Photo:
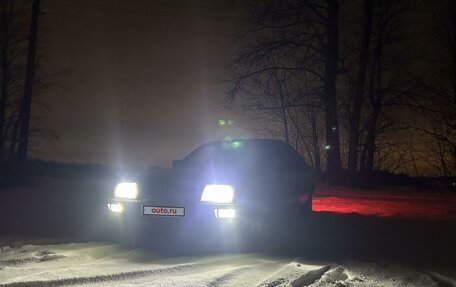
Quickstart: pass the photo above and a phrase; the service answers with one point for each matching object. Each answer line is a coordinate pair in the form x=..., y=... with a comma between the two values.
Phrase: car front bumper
x=200, y=222
x=198, y=217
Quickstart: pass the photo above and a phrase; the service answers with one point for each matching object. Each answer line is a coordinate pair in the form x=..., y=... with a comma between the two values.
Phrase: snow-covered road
x=354, y=238
x=102, y=264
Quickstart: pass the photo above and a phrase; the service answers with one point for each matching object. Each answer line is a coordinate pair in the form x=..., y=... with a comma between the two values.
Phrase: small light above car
x=218, y=193
x=128, y=190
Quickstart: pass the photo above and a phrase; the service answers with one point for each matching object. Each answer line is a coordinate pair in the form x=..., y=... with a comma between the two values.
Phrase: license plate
x=164, y=210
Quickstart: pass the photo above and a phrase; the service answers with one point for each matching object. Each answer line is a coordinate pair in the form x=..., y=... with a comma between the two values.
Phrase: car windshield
x=218, y=152
x=245, y=154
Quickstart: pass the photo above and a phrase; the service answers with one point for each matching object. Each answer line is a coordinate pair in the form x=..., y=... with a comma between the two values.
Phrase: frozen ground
x=355, y=238
x=100, y=264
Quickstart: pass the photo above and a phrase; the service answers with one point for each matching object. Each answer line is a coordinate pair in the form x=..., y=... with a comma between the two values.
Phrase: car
x=231, y=187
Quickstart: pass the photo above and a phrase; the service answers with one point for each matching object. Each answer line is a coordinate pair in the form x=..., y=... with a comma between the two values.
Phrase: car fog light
x=115, y=207
x=225, y=213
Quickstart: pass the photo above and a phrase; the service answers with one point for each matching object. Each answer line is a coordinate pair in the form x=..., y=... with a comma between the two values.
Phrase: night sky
x=139, y=81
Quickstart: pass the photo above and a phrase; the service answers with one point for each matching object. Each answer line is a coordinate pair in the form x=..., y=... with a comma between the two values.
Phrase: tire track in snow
x=228, y=276
x=36, y=257
x=223, y=273
x=310, y=277
x=296, y=274
x=442, y=280
x=244, y=275
x=27, y=260
x=106, y=277
x=227, y=273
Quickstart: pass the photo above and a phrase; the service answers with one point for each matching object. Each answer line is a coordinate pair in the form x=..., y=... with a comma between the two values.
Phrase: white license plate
x=164, y=210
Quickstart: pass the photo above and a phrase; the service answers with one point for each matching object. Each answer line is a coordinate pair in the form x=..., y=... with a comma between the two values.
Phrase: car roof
x=255, y=144
x=250, y=141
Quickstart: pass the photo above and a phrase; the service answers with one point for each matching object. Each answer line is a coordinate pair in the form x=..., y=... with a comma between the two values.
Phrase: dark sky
x=142, y=81
x=141, y=86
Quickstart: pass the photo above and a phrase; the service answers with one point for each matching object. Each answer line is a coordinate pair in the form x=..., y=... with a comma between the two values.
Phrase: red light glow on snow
x=427, y=205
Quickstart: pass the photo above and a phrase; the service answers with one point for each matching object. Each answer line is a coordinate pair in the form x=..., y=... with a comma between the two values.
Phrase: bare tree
x=300, y=38
x=15, y=109
x=289, y=73
x=360, y=87
x=26, y=103
x=12, y=53
x=436, y=103
x=269, y=94
x=330, y=54
x=390, y=84
x=308, y=130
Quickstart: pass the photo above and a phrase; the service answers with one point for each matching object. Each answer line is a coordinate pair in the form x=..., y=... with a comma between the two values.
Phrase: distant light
x=327, y=147
x=236, y=144
x=229, y=144
x=334, y=129
x=225, y=123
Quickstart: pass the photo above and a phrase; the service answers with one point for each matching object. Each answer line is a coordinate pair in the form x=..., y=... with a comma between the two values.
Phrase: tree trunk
x=25, y=112
x=5, y=76
x=316, y=145
x=371, y=138
x=10, y=161
x=359, y=89
x=376, y=109
x=283, y=111
x=330, y=101
x=452, y=45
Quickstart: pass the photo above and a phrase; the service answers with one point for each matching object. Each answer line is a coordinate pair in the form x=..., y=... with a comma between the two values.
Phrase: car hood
x=187, y=183
x=177, y=183
x=186, y=176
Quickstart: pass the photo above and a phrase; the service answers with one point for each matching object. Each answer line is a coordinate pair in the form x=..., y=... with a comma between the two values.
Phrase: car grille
x=171, y=194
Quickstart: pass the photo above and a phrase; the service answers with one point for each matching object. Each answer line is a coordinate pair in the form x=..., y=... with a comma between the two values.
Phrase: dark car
x=230, y=187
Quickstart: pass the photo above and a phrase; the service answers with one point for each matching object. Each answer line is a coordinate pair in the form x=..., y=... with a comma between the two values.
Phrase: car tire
x=263, y=233
x=268, y=233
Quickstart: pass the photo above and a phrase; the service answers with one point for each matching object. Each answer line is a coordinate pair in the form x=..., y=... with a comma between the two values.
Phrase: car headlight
x=218, y=193
x=126, y=190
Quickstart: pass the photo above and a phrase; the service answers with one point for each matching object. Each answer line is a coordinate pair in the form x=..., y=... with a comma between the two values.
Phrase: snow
x=103, y=264
x=387, y=202
x=357, y=238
